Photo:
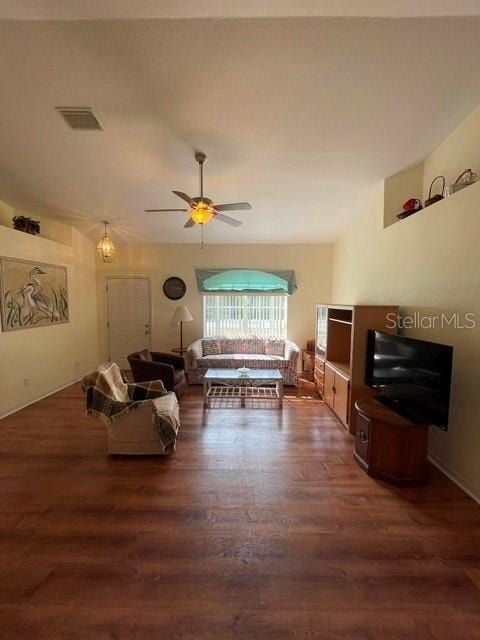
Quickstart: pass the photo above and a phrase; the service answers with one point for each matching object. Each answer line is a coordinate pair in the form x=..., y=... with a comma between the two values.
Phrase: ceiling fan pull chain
x=202, y=246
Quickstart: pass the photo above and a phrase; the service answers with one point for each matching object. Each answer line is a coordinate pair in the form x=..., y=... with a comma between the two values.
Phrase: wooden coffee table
x=259, y=384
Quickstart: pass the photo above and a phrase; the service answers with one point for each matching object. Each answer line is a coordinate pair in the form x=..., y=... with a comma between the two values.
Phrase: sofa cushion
x=243, y=344
x=211, y=347
x=275, y=347
x=236, y=360
x=145, y=355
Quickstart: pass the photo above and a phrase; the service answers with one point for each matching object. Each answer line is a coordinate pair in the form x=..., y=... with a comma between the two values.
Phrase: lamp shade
x=181, y=314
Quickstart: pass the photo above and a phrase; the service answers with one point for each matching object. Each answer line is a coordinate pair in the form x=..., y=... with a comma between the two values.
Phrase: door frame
x=149, y=281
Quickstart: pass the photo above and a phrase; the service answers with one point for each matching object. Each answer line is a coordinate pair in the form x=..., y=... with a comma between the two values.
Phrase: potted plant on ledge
x=27, y=225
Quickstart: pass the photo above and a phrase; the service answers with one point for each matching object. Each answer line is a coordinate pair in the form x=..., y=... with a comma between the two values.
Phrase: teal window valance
x=245, y=281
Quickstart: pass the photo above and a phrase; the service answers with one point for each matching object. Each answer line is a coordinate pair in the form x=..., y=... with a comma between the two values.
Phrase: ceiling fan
x=202, y=209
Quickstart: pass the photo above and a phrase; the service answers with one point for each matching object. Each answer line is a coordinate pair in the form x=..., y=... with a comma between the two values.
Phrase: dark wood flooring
x=260, y=526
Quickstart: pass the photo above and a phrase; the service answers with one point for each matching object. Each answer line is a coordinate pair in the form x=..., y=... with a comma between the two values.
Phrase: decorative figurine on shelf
x=410, y=206
x=464, y=179
x=27, y=225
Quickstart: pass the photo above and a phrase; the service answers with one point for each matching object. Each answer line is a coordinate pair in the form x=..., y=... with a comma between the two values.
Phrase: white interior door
x=128, y=302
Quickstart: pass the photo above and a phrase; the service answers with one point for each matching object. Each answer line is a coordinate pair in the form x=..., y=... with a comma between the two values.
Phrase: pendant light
x=106, y=248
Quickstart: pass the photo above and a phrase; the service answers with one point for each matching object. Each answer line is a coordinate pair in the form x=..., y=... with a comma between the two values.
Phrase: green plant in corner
x=26, y=224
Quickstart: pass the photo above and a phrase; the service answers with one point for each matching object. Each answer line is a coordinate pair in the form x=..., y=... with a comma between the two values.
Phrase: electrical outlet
x=27, y=382
x=76, y=366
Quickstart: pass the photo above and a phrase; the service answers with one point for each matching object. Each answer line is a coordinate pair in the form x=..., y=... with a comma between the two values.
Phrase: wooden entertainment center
x=340, y=354
x=390, y=447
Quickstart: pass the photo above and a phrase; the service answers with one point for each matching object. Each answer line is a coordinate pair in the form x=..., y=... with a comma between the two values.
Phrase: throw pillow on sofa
x=275, y=347
x=211, y=347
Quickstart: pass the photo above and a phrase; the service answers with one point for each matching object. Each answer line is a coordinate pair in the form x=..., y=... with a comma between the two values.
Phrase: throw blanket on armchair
x=109, y=396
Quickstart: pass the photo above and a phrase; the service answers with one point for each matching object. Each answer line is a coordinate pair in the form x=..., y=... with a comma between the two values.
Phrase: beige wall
x=49, y=228
x=312, y=264
x=430, y=264
x=458, y=152
x=400, y=188
x=36, y=362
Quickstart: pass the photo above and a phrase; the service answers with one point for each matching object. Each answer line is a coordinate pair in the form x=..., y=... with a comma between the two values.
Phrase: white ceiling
x=126, y=9
x=298, y=116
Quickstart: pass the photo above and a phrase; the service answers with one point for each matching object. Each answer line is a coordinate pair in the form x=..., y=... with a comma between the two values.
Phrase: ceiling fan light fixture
x=202, y=209
x=202, y=213
x=105, y=248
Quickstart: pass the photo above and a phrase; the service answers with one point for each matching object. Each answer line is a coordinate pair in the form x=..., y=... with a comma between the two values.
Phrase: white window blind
x=264, y=315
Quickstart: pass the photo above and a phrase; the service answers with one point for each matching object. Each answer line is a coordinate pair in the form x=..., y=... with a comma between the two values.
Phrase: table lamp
x=181, y=315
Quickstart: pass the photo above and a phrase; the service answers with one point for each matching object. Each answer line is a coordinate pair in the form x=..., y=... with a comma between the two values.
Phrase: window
x=245, y=301
x=264, y=315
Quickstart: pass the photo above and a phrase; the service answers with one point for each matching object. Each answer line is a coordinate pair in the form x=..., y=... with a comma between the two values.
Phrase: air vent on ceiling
x=80, y=118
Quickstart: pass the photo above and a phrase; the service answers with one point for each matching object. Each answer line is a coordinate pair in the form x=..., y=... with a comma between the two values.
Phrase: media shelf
x=341, y=367
x=340, y=354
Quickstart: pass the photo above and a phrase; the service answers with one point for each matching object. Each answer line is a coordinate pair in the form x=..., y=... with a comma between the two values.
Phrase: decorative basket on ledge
x=438, y=196
x=464, y=179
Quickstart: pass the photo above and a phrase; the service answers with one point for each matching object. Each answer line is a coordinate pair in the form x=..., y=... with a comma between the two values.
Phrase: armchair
x=140, y=418
x=156, y=365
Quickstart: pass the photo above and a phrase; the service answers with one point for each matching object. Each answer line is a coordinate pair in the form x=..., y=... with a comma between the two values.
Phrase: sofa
x=141, y=419
x=233, y=352
x=157, y=365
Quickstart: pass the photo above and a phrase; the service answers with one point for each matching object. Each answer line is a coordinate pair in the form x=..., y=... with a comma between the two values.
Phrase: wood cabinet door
x=341, y=398
x=319, y=374
x=329, y=385
x=362, y=437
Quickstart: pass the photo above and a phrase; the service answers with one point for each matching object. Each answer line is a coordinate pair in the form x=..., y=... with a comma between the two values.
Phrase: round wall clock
x=174, y=288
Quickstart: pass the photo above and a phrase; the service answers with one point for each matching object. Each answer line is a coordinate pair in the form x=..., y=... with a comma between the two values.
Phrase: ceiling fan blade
x=158, y=210
x=189, y=223
x=228, y=220
x=233, y=206
x=184, y=196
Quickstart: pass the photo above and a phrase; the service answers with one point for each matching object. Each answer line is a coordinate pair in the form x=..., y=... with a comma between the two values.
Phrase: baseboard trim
x=38, y=398
x=453, y=476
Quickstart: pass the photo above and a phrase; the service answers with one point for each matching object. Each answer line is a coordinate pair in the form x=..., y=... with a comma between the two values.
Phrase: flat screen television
x=413, y=376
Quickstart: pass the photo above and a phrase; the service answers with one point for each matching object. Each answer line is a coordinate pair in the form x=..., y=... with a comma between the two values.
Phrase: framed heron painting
x=33, y=294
